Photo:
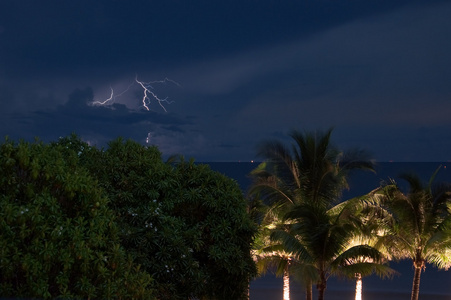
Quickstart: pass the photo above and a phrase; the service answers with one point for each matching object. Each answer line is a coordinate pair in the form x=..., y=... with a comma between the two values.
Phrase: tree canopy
x=184, y=223
x=82, y=222
x=58, y=237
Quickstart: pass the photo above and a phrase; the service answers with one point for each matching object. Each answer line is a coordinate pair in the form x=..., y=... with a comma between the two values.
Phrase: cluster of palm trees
x=308, y=232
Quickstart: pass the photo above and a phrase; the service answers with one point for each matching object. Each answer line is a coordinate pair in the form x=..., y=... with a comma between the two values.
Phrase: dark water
x=433, y=281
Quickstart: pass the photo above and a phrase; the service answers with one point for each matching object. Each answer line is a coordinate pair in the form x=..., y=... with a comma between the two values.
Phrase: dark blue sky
x=240, y=72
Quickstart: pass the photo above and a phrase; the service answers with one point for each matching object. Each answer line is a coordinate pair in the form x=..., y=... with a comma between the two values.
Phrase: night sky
x=235, y=73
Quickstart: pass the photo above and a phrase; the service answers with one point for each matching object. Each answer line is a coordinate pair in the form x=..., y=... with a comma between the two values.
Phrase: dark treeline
x=119, y=223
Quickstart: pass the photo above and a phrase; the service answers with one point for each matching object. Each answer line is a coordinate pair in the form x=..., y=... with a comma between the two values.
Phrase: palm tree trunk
x=286, y=284
x=416, y=283
x=358, y=286
x=321, y=286
x=308, y=292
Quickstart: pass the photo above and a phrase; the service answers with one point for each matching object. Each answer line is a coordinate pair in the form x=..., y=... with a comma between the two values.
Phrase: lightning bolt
x=112, y=96
x=147, y=89
x=148, y=93
x=105, y=101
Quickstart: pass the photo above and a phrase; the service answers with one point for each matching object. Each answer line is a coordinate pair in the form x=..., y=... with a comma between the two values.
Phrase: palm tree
x=278, y=259
x=368, y=264
x=313, y=171
x=326, y=239
x=266, y=254
x=419, y=225
x=369, y=219
x=270, y=254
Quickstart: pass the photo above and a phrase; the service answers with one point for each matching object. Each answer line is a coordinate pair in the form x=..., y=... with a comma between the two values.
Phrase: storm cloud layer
x=376, y=71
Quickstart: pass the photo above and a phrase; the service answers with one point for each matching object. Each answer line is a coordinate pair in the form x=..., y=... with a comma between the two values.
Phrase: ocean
x=435, y=284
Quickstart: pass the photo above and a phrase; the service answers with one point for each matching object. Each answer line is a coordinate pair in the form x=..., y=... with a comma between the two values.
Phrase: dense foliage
x=79, y=222
x=184, y=223
x=58, y=237
x=213, y=204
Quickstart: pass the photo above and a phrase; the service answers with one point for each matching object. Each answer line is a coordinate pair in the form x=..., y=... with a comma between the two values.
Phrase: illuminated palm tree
x=369, y=219
x=419, y=225
x=327, y=239
x=278, y=259
x=368, y=265
x=270, y=254
x=312, y=171
x=267, y=254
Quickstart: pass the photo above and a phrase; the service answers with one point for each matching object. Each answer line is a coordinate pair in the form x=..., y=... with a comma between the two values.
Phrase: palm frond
x=291, y=244
x=367, y=269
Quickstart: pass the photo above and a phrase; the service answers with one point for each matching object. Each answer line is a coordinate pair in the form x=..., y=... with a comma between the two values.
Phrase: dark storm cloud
x=99, y=124
x=375, y=70
x=49, y=36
